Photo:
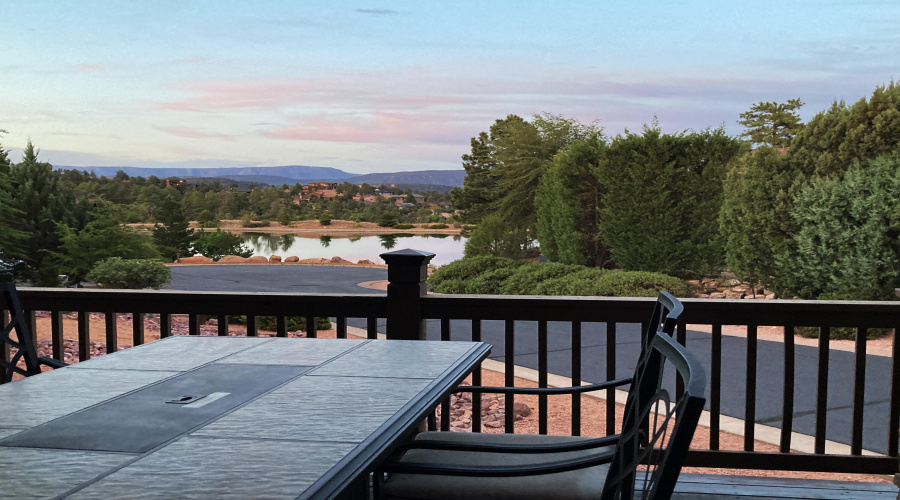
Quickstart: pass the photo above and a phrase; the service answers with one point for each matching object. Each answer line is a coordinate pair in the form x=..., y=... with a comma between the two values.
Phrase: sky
x=398, y=86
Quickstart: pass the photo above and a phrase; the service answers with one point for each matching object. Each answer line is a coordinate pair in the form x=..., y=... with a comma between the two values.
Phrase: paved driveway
x=334, y=279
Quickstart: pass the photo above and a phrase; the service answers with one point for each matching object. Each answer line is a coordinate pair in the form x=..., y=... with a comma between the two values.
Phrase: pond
x=446, y=248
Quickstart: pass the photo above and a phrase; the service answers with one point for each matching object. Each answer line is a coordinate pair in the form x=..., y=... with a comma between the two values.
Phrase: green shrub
x=632, y=284
x=388, y=219
x=577, y=283
x=210, y=224
x=438, y=226
x=489, y=282
x=454, y=285
x=116, y=272
x=403, y=226
x=528, y=276
x=468, y=268
x=246, y=222
x=294, y=323
x=841, y=332
x=325, y=220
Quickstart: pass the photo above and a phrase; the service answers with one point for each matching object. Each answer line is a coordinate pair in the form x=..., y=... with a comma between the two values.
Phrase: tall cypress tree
x=12, y=239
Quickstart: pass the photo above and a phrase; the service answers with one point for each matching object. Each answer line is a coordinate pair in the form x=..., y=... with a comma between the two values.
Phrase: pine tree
x=172, y=234
x=12, y=241
x=772, y=123
x=44, y=203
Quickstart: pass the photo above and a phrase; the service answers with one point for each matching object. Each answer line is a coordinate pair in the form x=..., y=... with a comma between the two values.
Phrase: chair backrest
x=664, y=319
x=23, y=343
x=657, y=428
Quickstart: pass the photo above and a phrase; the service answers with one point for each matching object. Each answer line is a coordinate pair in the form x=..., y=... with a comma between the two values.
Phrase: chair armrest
x=498, y=470
x=579, y=445
x=53, y=363
x=544, y=390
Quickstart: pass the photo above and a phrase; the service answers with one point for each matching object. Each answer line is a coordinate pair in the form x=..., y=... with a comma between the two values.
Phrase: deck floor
x=716, y=487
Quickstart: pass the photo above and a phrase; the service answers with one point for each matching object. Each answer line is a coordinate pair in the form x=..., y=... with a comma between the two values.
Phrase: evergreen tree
x=834, y=139
x=102, y=238
x=172, y=233
x=755, y=218
x=846, y=245
x=12, y=240
x=663, y=196
x=44, y=202
x=568, y=202
x=772, y=123
x=479, y=191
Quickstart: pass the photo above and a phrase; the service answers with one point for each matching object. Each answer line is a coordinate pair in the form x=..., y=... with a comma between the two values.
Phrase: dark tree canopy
x=772, y=123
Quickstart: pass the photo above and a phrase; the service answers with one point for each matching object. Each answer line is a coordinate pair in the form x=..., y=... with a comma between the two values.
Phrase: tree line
x=67, y=222
x=803, y=209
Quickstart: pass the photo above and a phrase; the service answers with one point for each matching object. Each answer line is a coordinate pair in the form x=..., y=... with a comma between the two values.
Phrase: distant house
x=174, y=182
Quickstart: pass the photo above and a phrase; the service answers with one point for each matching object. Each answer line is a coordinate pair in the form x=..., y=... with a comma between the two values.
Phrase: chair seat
x=576, y=484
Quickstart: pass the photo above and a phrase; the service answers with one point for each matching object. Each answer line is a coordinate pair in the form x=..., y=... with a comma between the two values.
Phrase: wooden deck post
x=407, y=270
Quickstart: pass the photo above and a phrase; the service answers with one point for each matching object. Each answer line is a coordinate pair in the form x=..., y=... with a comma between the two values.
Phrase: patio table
x=222, y=417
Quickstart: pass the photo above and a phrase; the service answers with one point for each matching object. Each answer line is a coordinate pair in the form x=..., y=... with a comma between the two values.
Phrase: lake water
x=446, y=248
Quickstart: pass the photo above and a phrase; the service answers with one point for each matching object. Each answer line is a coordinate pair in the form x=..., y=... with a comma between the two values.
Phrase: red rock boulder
x=199, y=259
x=233, y=259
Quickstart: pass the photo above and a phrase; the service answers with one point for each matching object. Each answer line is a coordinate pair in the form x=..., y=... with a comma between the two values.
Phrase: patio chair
x=657, y=430
x=22, y=343
x=663, y=319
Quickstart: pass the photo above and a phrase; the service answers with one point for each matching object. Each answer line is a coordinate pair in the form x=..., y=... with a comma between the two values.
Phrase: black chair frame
x=23, y=342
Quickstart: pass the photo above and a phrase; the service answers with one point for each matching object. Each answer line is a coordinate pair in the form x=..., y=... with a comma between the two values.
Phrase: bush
x=489, y=282
x=527, y=277
x=403, y=226
x=438, y=226
x=325, y=220
x=210, y=224
x=840, y=332
x=454, y=285
x=116, y=272
x=468, y=268
x=632, y=284
x=577, y=283
x=294, y=323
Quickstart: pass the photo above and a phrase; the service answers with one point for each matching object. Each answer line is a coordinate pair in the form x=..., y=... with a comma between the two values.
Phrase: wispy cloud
x=377, y=12
x=190, y=133
x=89, y=68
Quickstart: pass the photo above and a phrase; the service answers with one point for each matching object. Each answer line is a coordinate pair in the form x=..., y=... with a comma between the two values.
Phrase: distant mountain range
x=289, y=174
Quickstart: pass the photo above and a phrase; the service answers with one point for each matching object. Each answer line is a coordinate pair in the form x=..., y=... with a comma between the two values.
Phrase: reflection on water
x=354, y=247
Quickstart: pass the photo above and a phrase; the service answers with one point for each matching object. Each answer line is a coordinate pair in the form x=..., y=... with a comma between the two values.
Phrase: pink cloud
x=383, y=127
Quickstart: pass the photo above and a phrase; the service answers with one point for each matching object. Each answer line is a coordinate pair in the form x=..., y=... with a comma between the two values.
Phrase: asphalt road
x=335, y=279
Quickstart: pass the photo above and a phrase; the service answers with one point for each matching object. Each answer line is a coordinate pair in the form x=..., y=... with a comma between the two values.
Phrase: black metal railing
x=573, y=332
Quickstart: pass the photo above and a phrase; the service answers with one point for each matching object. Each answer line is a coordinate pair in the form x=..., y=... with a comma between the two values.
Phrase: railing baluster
x=576, y=377
x=715, y=386
x=222, y=325
x=542, y=377
x=681, y=336
x=476, y=380
x=750, y=401
x=4, y=347
x=56, y=335
x=165, y=325
x=252, y=331
x=509, y=356
x=610, y=375
x=281, y=326
x=311, y=328
x=84, y=336
x=822, y=389
x=341, y=330
x=193, y=324
x=894, y=406
x=137, y=324
x=112, y=332
x=787, y=404
x=372, y=328
x=445, y=404
x=859, y=392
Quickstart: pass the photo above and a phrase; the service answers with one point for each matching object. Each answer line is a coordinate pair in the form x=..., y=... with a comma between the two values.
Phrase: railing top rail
x=184, y=302
x=634, y=309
